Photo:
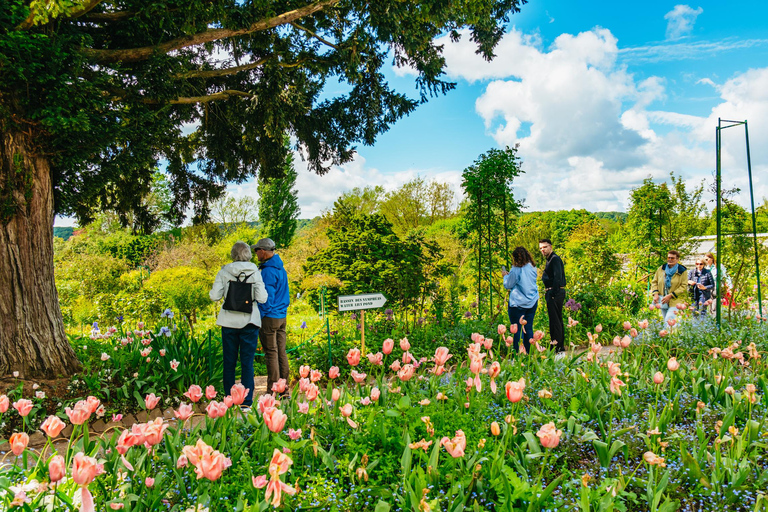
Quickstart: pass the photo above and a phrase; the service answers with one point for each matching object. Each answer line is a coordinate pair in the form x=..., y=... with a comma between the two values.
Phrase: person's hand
x=701, y=286
x=655, y=298
x=691, y=282
x=504, y=272
x=666, y=299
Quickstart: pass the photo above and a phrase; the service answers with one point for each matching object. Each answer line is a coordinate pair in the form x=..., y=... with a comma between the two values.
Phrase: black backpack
x=239, y=295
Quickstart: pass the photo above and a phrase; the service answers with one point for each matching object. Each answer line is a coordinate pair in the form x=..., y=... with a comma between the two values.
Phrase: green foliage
x=279, y=204
x=488, y=212
x=594, y=259
x=367, y=256
x=184, y=288
x=662, y=218
x=417, y=203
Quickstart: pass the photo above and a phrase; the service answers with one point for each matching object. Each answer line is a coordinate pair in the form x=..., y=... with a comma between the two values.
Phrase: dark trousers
x=514, y=318
x=243, y=342
x=555, y=300
x=272, y=337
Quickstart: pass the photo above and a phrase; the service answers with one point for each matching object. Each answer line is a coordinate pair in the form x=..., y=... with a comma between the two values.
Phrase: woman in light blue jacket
x=239, y=331
x=523, y=295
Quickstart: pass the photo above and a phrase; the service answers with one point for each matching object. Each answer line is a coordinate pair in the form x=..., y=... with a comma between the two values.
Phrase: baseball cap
x=266, y=244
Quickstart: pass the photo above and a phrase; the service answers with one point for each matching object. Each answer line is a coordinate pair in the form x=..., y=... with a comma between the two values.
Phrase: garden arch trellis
x=723, y=124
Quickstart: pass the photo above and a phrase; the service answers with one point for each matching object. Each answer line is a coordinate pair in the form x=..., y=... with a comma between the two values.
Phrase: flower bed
x=651, y=426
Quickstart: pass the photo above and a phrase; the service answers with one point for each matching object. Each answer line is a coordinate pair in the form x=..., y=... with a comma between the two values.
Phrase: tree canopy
x=107, y=89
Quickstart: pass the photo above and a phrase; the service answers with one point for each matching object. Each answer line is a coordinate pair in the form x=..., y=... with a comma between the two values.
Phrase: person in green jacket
x=670, y=285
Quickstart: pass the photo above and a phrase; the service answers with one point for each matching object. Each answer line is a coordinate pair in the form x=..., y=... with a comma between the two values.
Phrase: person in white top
x=239, y=331
x=725, y=280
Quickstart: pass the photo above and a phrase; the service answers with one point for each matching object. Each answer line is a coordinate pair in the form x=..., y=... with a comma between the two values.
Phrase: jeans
x=514, y=318
x=272, y=337
x=555, y=301
x=243, y=341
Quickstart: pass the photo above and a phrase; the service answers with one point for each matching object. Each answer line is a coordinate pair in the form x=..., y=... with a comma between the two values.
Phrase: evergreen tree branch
x=313, y=34
x=75, y=12
x=207, y=36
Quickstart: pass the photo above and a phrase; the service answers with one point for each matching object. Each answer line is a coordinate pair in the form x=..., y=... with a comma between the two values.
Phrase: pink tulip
x=599, y=328
x=4, y=404
x=294, y=434
x=216, y=409
x=358, y=377
x=346, y=411
x=312, y=392
x=195, y=393
x=151, y=401
x=57, y=468
x=395, y=366
x=663, y=333
x=303, y=407
x=406, y=372
x=24, y=406
x=616, y=341
x=184, y=413
x=643, y=324
x=513, y=329
x=375, y=394
x=616, y=385
x=456, y=446
x=333, y=372
x=239, y=393
x=259, y=482
x=671, y=322
x=681, y=306
x=515, y=390
x=658, y=378
x=672, y=364
x=80, y=414
x=509, y=341
x=228, y=401
x=549, y=436
x=212, y=465
x=627, y=325
x=407, y=358
x=442, y=355
x=93, y=404
x=85, y=469
x=405, y=345
x=633, y=332
x=501, y=329
x=154, y=431
x=626, y=341
x=315, y=375
x=275, y=419
x=52, y=426
x=149, y=481
x=304, y=371
x=389, y=344
x=475, y=337
x=538, y=335
x=438, y=370
x=210, y=392
x=18, y=442
x=266, y=401
x=614, y=368
x=335, y=394
x=127, y=439
x=376, y=359
x=280, y=386
x=353, y=356
x=304, y=384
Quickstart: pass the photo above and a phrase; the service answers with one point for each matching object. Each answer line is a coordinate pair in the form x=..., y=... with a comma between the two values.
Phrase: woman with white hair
x=239, y=329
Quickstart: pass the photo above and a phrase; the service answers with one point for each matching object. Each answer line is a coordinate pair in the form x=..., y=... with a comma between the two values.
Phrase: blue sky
x=599, y=95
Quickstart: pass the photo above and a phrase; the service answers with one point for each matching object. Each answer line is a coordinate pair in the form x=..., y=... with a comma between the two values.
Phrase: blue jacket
x=276, y=280
x=521, y=283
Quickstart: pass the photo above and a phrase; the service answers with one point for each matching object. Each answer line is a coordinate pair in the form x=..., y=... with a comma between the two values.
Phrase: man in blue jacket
x=273, y=312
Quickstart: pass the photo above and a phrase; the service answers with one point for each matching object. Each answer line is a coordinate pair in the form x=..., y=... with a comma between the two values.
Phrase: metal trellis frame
x=723, y=124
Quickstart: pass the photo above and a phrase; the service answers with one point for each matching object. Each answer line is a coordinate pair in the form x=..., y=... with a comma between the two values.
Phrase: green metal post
x=479, y=254
x=210, y=356
x=490, y=264
x=754, y=223
x=327, y=327
x=718, y=298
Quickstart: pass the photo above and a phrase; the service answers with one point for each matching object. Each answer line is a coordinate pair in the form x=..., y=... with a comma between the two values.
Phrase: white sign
x=362, y=301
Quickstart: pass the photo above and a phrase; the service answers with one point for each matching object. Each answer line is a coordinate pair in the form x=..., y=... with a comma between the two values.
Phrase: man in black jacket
x=554, y=284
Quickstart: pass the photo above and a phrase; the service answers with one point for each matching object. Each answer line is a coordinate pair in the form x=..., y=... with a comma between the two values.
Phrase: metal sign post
x=361, y=302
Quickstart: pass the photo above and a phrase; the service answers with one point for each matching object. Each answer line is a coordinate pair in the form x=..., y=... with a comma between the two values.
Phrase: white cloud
x=317, y=193
x=680, y=20
x=587, y=128
x=669, y=51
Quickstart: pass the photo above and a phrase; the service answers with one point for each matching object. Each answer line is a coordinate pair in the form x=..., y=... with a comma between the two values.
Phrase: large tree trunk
x=32, y=338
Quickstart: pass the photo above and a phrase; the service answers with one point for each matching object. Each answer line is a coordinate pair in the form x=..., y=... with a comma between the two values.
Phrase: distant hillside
x=63, y=232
